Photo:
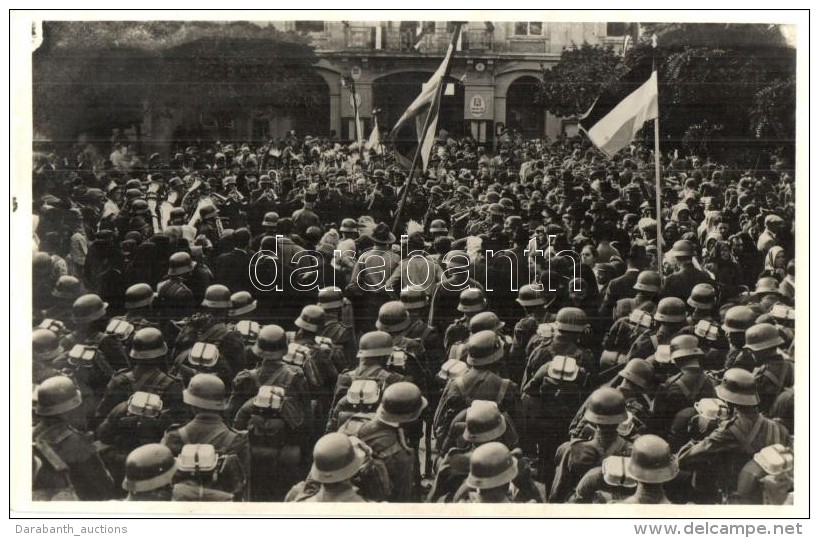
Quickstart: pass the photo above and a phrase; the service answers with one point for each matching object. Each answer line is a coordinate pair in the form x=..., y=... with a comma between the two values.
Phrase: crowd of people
x=298, y=322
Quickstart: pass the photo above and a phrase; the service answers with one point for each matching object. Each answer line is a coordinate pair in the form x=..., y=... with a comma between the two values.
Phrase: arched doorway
x=392, y=94
x=522, y=114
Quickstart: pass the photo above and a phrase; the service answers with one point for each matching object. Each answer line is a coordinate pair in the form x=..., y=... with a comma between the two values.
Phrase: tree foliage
x=724, y=88
x=571, y=85
x=91, y=77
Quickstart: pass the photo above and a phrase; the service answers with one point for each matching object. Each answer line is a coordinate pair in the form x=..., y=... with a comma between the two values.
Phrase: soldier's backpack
x=248, y=330
x=373, y=478
x=302, y=357
x=360, y=403
x=120, y=329
x=51, y=478
x=88, y=355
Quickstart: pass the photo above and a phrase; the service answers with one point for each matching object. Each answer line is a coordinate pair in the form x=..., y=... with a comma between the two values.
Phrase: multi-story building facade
x=493, y=78
x=492, y=85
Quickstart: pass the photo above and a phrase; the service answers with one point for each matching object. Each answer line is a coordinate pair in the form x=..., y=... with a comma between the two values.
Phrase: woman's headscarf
x=770, y=262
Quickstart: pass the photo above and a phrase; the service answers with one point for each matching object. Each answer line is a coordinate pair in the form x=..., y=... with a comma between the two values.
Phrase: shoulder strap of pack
x=746, y=441
x=388, y=452
x=183, y=434
x=654, y=341
x=214, y=334
x=779, y=382
x=148, y=379
x=283, y=377
x=502, y=392
x=689, y=393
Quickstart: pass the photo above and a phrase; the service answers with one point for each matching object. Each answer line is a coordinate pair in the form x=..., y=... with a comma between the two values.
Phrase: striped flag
x=425, y=107
x=374, y=142
x=615, y=117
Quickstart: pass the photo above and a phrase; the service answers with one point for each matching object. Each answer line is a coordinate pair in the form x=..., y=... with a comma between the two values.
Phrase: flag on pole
x=374, y=142
x=616, y=116
x=359, y=128
x=427, y=104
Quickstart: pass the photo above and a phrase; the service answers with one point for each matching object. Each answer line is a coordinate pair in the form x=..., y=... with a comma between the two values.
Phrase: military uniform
x=152, y=380
x=575, y=458
x=772, y=377
x=209, y=428
x=719, y=457
x=389, y=444
x=70, y=464
x=210, y=330
x=343, y=336
x=679, y=392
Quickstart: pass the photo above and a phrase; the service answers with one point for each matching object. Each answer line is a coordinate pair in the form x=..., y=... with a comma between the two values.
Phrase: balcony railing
x=398, y=40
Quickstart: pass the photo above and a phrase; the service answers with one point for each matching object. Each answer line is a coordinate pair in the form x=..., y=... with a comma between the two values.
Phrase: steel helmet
x=763, y=336
x=217, y=296
x=648, y=281
x=651, y=461
x=571, y=319
x=349, y=226
x=471, y=300
x=682, y=249
x=330, y=298
x=685, y=350
x=205, y=391
x=148, y=343
x=311, y=318
x=271, y=343
x=491, y=465
x=88, y=308
x=438, y=226
x=485, y=321
x=738, y=319
x=414, y=297
x=149, y=467
x=138, y=296
x=241, y=303
x=335, y=459
x=484, y=348
x=67, y=287
x=375, y=344
x=57, y=395
x=703, y=296
x=530, y=296
x=606, y=406
x=639, y=372
x=180, y=263
x=45, y=345
x=402, y=402
x=738, y=387
x=670, y=310
x=392, y=317
x=484, y=422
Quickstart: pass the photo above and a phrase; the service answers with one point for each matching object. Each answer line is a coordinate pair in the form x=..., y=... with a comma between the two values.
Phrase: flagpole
x=427, y=121
x=414, y=165
x=658, y=188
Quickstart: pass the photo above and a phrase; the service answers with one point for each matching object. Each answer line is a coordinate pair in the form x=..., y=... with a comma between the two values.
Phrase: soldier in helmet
x=532, y=301
x=703, y=302
x=773, y=373
x=207, y=223
x=737, y=320
x=470, y=303
x=269, y=225
x=45, y=349
x=149, y=473
x=335, y=463
x=93, y=356
x=211, y=328
x=175, y=296
x=480, y=382
x=67, y=290
x=393, y=318
x=669, y=318
x=243, y=308
x=401, y=405
x=71, y=467
x=570, y=325
x=684, y=389
x=139, y=420
x=147, y=374
x=270, y=349
x=415, y=300
x=605, y=410
x=445, y=297
x=374, y=352
x=204, y=475
x=368, y=280
x=207, y=400
x=331, y=300
x=717, y=459
x=492, y=467
x=651, y=465
x=682, y=282
x=314, y=355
